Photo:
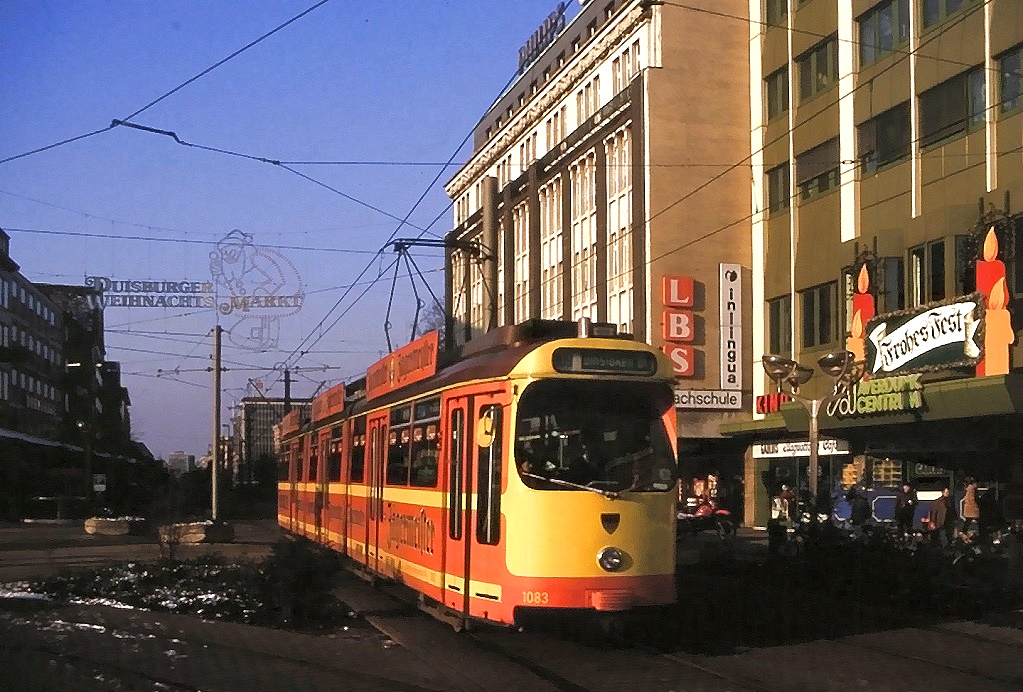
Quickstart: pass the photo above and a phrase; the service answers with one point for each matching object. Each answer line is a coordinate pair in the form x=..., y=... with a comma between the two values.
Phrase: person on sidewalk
x=941, y=519
x=905, y=509
x=971, y=510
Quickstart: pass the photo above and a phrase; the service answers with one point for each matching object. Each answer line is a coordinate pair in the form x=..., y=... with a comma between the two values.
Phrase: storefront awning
x=973, y=397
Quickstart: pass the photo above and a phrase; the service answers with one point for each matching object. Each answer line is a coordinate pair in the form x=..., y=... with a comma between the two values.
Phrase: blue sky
x=396, y=82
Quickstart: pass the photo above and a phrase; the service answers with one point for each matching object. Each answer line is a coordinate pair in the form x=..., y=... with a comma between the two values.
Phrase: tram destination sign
x=930, y=337
x=603, y=361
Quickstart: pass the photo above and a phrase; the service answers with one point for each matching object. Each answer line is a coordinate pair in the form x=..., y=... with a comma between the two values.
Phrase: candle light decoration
x=862, y=312
x=998, y=334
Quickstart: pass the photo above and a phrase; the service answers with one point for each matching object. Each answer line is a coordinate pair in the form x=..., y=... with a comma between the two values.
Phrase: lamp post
x=86, y=427
x=842, y=367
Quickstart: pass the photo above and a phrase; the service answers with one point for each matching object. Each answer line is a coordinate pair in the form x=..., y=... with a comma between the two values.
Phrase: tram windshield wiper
x=569, y=484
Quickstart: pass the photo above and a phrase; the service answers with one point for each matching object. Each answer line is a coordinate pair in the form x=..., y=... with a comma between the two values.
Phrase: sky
x=369, y=99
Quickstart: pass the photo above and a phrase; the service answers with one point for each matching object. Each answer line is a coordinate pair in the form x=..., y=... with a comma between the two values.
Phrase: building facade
x=180, y=463
x=252, y=448
x=610, y=181
x=885, y=142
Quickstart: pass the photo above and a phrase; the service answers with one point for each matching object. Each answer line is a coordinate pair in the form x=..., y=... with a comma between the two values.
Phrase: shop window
x=779, y=338
x=927, y=273
x=818, y=69
x=1010, y=69
x=817, y=170
x=777, y=84
x=952, y=107
x=884, y=139
x=883, y=29
x=887, y=472
x=818, y=321
x=778, y=188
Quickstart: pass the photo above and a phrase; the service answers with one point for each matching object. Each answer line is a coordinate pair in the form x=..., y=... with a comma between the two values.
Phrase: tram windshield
x=590, y=435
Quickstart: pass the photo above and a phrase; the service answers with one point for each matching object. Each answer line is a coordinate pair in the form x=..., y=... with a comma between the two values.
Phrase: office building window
x=1010, y=69
x=555, y=127
x=584, y=237
x=952, y=107
x=818, y=69
x=779, y=325
x=619, y=230
x=891, y=284
x=778, y=188
x=777, y=93
x=587, y=100
x=819, y=314
x=883, y=30
x=552, y=262
x=777, y=12
x=927, y=273
x=817, y=170
x=937, y=11
x=520, y=224
x=883, y=139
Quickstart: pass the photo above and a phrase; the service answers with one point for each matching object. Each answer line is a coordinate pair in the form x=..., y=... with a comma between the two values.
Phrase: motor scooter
x=706, y=515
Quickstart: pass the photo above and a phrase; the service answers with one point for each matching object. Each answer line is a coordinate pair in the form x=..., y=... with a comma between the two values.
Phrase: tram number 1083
x=536, y=597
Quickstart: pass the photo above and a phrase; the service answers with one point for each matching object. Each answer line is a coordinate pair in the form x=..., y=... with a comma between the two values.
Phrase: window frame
x=810, y=73
x=778, y=179
x=777, y=82
x=921, y=280
x=939, y=99
x=824, y=332
x=779, y=325
x=1003, y=72
x=870, y=23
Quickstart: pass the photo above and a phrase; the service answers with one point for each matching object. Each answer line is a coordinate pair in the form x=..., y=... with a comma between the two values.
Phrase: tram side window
x=358, y=456
x=424, y=456
x=334, y=457
x=313, y=457
x=488, y=482
x=455, y=487
x=282, y=467
x=398, y=456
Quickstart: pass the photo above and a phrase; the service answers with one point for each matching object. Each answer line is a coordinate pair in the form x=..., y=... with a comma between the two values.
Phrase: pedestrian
x=941, y=518
x=859, y=507
x=971, y=510
x=905, y=509
x=787, y=502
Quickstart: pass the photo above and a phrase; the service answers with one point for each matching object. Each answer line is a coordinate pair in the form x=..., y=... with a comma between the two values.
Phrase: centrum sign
x=883, y=395
x=926, y=338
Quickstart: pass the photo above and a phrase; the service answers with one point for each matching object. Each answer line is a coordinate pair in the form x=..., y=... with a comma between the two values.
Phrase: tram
x=536, y=472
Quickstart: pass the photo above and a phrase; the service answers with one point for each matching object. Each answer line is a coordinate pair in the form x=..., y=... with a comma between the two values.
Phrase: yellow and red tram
x=538, y=471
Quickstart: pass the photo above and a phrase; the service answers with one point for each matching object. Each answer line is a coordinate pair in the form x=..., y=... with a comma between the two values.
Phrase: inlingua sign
x=939, y=335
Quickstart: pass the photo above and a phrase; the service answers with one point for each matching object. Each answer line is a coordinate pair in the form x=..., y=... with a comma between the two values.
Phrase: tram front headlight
x=611, y=559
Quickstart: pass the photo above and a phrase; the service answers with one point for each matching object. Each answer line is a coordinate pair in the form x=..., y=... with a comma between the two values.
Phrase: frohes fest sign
x=931, y=337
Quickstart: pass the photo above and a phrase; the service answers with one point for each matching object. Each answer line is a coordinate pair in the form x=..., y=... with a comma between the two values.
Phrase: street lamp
x=842, y=367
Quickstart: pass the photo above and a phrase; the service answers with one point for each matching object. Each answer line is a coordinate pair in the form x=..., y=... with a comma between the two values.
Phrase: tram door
x=375, y=501
x=319, y=468
x=474, y=460
x=457, y=460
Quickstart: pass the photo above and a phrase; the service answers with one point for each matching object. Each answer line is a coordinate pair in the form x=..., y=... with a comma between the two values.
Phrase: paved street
x=54, y=646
